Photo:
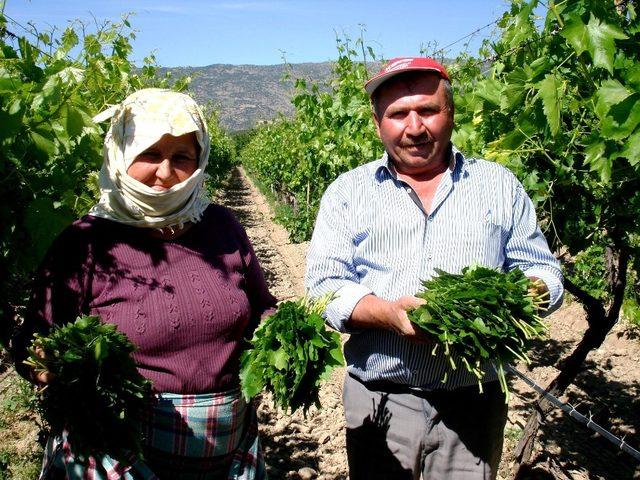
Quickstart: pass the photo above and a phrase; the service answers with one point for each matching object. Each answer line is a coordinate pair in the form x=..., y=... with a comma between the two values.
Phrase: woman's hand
x=39, y=374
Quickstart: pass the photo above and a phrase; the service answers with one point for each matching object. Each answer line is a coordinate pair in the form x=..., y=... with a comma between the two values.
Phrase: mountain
x=248, y=94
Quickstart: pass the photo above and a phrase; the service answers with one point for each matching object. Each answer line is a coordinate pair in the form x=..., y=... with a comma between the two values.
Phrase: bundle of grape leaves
x=292, y=353
x=482, y=315
x=95, y=393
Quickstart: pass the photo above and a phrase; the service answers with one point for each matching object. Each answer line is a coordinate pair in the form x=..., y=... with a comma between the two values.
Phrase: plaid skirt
x=188, y=437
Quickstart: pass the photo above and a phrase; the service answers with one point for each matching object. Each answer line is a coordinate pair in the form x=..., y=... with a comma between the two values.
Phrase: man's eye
x=181, y=157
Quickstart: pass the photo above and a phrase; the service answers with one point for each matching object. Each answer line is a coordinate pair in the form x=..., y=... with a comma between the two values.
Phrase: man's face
x=414, y=122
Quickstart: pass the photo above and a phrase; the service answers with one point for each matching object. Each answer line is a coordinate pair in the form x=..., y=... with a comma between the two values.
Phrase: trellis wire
x=16, y=37
x=447, y=47
x=570, y=409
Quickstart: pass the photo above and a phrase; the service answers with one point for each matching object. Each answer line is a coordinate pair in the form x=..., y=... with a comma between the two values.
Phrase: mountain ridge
x=248, y=94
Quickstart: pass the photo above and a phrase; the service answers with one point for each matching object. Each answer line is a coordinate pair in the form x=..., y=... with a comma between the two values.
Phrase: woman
x=179, y=277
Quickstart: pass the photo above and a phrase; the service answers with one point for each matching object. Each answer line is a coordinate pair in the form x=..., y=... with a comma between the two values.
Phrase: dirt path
x=281, y=260
x=609, y=388
x=295, y=447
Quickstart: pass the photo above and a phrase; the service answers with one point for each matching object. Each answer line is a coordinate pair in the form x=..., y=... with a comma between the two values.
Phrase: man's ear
x=376, y=120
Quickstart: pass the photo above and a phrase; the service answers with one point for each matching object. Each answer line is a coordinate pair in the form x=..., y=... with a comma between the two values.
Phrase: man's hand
x=374, y=312
x=538, y=289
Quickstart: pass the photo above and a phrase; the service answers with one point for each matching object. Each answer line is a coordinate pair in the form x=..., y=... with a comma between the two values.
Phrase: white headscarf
x=136, y=124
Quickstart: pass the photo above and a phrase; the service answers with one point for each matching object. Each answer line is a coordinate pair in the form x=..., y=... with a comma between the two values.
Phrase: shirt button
x=408, y=189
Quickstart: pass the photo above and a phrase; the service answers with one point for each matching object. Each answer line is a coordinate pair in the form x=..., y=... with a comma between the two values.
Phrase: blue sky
x=196, y=33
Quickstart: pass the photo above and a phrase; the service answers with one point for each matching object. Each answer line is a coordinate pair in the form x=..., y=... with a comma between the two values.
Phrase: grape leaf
x=549, y=91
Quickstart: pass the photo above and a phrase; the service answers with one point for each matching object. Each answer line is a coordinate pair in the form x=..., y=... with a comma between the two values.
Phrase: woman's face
x=167, y=162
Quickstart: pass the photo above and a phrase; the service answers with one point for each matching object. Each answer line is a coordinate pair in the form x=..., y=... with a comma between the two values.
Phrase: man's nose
x=415, y=126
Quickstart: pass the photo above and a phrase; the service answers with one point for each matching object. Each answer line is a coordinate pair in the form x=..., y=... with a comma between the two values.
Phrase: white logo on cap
x=398, y=64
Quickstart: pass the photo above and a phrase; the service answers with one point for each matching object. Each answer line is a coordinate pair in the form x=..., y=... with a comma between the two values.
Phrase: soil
x=608, y=388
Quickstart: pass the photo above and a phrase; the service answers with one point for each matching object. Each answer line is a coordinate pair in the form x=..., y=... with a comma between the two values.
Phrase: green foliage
x=96, y=393
x=513, y=433
x=222, y=155
x=292, y=353
x=331, y=132
x=48, y=143
x=631, y=304
x=560, y=106
x=50, y=149
x=20, y=453
x=4, y=463
x=299, y=225
x=588, y=271
x=483, y=316
x=21, y=468
x=631, y=311
x=20, y=398
x=242, y=139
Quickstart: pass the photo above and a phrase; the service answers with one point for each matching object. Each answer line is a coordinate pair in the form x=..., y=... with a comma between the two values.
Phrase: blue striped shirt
x=372, y=236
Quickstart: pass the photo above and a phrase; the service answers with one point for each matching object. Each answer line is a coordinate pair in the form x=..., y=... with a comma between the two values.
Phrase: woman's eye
x=183, y=158
x=149, y=154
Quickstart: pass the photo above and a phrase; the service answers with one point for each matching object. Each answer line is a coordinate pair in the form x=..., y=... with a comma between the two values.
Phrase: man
x=381, y=229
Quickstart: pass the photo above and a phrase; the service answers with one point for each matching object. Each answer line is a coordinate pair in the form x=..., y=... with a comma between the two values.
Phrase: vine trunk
x=601, y=320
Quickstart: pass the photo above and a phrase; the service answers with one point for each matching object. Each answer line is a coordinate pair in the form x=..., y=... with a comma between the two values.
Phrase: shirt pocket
x=477, y=242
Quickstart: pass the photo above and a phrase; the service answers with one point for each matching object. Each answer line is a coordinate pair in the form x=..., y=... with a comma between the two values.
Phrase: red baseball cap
x=401, y=65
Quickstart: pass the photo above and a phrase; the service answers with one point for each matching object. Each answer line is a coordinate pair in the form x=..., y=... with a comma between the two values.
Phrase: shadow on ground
x=290, y=449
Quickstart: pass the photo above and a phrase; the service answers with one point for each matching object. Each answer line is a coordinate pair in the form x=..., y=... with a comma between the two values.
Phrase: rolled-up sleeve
x=330, y=265
x=527, y=249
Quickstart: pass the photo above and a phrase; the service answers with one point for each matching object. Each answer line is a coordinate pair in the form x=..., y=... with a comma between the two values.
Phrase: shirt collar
x=385, y=168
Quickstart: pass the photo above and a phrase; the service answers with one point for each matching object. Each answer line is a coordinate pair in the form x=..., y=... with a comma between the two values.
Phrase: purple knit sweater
x=188, y=304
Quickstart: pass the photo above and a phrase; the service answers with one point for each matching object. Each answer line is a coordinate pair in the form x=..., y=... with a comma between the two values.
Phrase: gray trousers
x=440, y=435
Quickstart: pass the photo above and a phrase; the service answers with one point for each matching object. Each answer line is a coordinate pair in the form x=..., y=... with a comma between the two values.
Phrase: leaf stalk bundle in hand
x=483, y=316
x=96, y=392
x=292, y=353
